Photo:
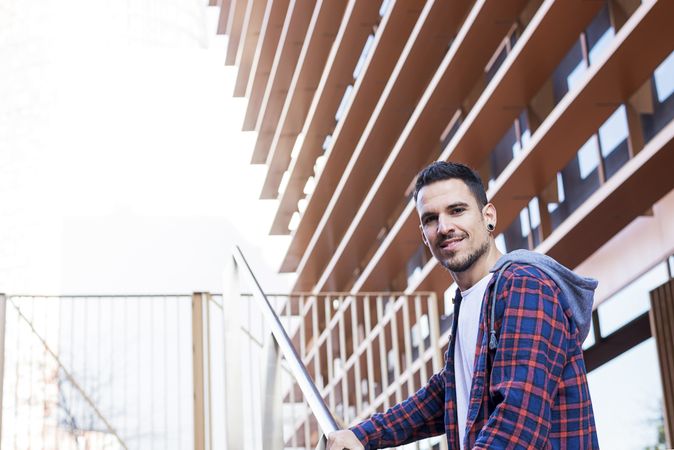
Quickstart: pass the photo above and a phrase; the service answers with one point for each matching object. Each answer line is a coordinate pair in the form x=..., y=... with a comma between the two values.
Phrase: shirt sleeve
x=527, y=364
x=418, y=417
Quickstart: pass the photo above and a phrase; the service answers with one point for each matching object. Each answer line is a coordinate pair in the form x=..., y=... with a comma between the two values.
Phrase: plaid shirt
x=531, y=392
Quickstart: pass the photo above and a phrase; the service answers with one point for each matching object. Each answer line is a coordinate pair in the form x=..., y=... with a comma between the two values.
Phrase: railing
x=319, y=409
x=346, y=355
x=203, y=371
x=97, y=371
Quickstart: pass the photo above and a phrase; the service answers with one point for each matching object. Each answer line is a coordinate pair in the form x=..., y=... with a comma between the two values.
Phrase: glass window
x=613, y=132
x=416, y=263
x=514, y=236
x=662, y=98
x=664, y=78
x=631, y=301
x=524, y=223
x=626, y=397
x=588, y=157
x=525, y=132
x=569, y=72
x=510, y=146
x=493, y=68
x=560, y=194
x=613, y=140
x=503, y=152
x=577, y=182
x=599, y=35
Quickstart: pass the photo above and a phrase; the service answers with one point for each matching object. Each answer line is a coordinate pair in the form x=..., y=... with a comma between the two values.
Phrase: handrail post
x=326, y=421
x=3, y=311
x=233, y=345
x=201, y=370
x=272, y=419
x=434, y=322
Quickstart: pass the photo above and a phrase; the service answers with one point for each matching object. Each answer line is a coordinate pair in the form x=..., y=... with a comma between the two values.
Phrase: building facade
x=564, y=107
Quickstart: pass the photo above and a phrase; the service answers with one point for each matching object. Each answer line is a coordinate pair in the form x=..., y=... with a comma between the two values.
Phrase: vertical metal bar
x=178, y=368
x=165, y=371
x=206, y=305
x=330, y=357
x=408, y=344
x=434, y=321
x=272, y=413
x=302, y=331
x=30, y=375
x=370, y=359
x=396, y=352
x=422, y=345
x=45, y=373
x=342, y=357
x=151, y=372
x=201, y=369
x=383, y=354
x=234, y=419
x=3, y=312
x=318, y=376
x=287, y=310
x=355, y=344
x=198, y=372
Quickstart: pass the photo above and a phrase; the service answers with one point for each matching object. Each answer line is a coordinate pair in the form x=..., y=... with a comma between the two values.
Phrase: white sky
x=139, y=167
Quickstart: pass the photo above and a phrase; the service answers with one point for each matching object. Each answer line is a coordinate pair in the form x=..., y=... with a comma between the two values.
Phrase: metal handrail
x=323, y=416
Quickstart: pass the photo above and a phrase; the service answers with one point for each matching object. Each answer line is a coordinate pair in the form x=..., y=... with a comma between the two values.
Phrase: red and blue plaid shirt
x=530, y=393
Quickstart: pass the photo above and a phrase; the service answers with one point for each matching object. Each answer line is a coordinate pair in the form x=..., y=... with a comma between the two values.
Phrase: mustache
x=446, y=237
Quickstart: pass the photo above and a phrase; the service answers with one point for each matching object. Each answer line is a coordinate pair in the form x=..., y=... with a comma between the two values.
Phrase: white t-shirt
x=464, y=349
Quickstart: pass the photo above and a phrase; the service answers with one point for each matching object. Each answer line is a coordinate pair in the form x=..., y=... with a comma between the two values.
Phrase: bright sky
x=137, y=177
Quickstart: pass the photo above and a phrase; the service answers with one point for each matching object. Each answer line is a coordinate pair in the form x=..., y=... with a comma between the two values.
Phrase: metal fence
x=99, y=372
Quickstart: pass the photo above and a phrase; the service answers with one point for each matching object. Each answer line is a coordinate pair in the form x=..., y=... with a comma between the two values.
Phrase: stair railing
x=296, y=367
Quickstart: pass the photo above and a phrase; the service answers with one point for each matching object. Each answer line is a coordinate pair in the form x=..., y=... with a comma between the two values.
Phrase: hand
x=343, y=439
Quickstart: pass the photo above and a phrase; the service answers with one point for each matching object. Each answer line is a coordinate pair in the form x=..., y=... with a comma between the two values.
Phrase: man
x=514, y=375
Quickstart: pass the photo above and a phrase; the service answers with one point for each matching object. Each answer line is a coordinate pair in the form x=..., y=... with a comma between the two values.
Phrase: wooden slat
x=404, y=137
x=389, y=41
x=246, y=51
x=317, y=46
x=399, y=245
x=362, y=144
x=289, y=47
x=224, y=16
x=662, y=326
x=234, y=27
x=272, y=25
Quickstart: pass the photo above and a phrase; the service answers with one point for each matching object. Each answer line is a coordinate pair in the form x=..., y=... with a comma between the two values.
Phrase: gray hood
x=578, y=291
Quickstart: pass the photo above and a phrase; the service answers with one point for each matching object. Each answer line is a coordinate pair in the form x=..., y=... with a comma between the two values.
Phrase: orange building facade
x=564, y=107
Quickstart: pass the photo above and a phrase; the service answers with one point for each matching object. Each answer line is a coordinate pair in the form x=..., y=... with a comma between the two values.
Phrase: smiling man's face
x=453, y=225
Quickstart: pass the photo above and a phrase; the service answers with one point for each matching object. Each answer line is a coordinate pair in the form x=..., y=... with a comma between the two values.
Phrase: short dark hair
x=442, y=170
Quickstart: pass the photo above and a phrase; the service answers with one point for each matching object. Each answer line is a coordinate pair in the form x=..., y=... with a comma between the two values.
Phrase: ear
x=489, y=214
x=423, y=236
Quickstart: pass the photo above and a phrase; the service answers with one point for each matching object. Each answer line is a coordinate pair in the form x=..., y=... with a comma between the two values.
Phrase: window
x=631, y=301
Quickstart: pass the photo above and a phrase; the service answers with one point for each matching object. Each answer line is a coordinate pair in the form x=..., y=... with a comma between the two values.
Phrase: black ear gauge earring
x=490, y=227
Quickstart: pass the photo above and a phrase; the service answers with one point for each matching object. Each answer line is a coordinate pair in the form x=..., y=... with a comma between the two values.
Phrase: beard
x=454, y=264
